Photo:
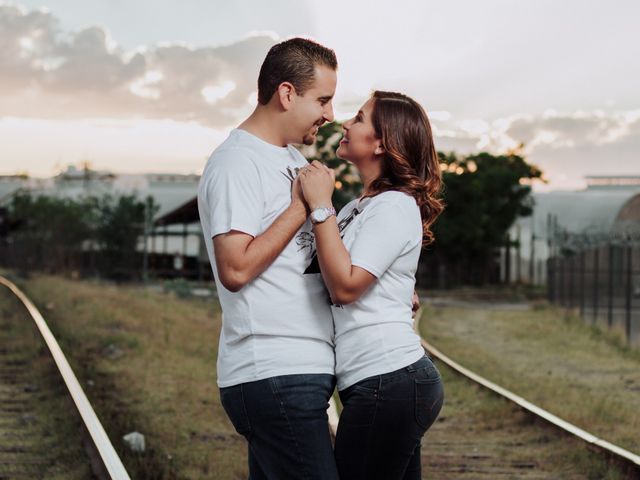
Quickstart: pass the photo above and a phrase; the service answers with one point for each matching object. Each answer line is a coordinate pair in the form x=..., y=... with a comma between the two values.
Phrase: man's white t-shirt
x=374, y=334
x=279, y=323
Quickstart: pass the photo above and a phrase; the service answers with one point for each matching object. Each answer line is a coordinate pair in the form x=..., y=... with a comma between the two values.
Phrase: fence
x=600, y=277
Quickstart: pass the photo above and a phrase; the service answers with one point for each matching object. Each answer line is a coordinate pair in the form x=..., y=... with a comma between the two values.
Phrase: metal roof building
x=609, y=204
x=169, y=192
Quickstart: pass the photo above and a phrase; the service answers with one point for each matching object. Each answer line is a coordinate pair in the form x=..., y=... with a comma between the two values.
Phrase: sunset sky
x=154, y=86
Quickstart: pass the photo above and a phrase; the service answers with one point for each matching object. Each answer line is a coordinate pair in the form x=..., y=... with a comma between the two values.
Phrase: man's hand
x=297, y=198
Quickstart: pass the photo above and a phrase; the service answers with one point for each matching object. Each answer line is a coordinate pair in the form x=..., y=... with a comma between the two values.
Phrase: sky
x=154, y=86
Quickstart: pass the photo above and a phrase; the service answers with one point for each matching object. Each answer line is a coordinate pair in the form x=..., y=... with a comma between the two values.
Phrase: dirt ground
x=549, y=358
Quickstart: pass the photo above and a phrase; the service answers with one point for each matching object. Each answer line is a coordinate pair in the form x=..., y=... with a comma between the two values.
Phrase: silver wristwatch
x=320, y=214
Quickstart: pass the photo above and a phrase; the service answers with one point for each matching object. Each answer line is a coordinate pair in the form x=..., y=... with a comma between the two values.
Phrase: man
x=275, y=359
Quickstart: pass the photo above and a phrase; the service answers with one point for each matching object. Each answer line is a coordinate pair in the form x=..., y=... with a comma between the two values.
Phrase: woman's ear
x=285, y=92
x=379, y=150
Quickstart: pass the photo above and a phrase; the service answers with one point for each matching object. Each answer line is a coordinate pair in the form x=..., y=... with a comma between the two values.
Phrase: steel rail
x=615, y=451
x=107, y=453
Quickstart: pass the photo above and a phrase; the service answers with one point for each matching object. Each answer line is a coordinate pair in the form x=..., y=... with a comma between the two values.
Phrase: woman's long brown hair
x=410, y=162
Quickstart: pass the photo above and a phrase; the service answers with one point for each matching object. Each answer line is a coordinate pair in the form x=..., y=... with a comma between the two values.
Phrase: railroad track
x=457, y=446
x=461, y=447
x=42, y=404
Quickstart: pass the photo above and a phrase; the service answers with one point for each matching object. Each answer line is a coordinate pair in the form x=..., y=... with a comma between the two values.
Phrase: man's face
x=314, y=108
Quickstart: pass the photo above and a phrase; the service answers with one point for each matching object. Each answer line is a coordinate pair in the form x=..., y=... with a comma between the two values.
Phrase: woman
x=368, y=256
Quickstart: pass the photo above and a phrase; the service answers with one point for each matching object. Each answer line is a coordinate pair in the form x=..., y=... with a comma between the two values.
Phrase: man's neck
x=263, y=125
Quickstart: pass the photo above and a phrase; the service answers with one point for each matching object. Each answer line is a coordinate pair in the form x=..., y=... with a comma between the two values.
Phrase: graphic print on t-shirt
x=314, y=266
x=291, y=174
x=304, y=239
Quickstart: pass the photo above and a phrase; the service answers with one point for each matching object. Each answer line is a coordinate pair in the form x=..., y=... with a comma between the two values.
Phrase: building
x=171, y=244
x=609, y=205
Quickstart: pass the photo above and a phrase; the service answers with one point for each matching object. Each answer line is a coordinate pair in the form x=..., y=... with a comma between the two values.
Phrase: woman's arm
x=345, y=282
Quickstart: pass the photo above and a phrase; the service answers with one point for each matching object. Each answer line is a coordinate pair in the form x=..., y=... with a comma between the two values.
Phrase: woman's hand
x=318, y=182
x=415, y=304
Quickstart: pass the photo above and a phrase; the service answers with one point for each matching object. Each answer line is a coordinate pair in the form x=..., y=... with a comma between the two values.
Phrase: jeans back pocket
x=232, y=400
x=429, y=400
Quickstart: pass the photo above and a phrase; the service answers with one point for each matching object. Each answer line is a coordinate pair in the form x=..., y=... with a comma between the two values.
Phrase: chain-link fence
x=599, y=275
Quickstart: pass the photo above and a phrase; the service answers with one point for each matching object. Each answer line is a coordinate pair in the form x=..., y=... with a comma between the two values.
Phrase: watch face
x=319, y=215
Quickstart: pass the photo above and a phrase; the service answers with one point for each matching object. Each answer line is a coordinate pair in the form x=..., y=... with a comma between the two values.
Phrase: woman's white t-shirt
x=374, y=334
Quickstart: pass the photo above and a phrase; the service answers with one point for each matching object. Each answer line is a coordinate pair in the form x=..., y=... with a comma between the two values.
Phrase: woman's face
x=359, y=142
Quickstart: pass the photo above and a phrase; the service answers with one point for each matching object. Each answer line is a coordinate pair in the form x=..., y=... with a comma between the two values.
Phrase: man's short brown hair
x=292, y=61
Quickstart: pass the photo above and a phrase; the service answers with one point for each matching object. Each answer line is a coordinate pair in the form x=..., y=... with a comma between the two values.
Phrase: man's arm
x=240, y=257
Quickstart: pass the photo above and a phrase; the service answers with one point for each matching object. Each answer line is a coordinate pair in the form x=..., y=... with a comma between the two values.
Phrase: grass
x=146, y=359
x=551, y=358
x=481, y=437
x=39, y=437
x=147, y=362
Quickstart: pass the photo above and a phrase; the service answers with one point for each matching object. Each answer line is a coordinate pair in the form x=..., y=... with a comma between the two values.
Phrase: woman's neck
x=367, y=180
x=368, y=175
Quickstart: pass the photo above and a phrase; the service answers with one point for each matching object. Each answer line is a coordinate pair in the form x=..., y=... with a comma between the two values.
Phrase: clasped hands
x=314, y=185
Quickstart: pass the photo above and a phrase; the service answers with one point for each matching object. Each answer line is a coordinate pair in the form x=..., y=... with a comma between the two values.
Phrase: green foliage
x=63, y=234
x=484, y=195
x=179, y=286
x=120, y=223
x=51, y=231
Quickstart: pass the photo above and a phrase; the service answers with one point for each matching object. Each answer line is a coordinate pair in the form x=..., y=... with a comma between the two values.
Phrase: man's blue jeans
x=284, y=420
x=383, y=420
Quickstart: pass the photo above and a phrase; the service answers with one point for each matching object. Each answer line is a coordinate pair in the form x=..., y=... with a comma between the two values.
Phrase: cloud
x=49, y=73
x=578, y=128
x=552, y=130
x=566, y=145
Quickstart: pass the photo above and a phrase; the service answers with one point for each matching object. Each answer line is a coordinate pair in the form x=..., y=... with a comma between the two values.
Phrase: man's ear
x=286, y=91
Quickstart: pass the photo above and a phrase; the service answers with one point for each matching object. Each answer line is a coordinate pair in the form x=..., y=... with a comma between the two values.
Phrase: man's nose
x=328, y=113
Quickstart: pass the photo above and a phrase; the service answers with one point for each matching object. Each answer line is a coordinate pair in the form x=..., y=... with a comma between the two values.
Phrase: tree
x=50, y=231
x=63, y=234
x=120, y=225
x=484, y=195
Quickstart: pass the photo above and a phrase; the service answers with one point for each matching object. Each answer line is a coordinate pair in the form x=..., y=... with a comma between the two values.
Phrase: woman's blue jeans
x=383, y=420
